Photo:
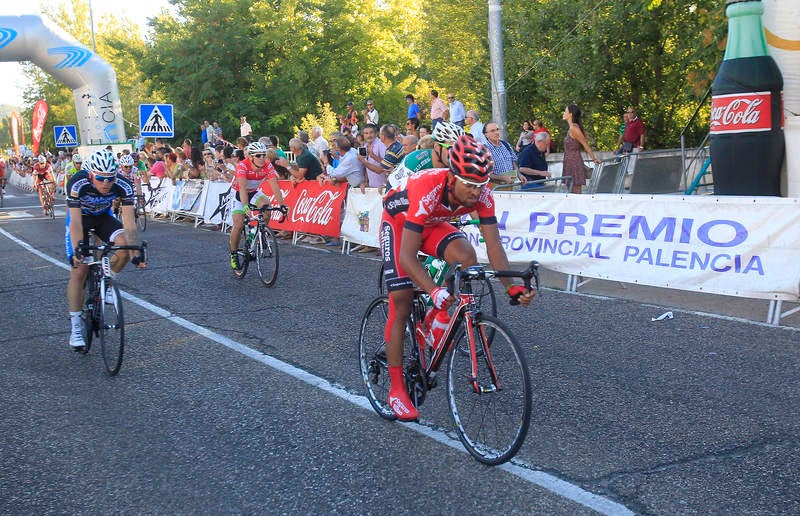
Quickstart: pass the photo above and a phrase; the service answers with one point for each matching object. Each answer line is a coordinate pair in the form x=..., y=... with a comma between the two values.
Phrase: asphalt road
x=237, y=398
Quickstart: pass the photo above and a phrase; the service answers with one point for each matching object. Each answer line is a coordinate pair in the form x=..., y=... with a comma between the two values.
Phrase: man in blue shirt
x=532, y=161
x=413, y=108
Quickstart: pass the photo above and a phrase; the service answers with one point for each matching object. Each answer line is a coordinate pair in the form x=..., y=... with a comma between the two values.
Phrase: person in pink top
x=438, y=108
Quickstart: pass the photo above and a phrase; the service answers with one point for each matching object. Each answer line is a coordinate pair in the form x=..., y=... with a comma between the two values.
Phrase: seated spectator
x=424, y=130
x=349, y=170
x=426, y=142
x=412, y=125
x=410, y=144
x=306, y=165
x=533, y=162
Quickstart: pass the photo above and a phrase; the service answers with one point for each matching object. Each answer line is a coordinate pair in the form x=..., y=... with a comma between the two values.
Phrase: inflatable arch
x=93, y=81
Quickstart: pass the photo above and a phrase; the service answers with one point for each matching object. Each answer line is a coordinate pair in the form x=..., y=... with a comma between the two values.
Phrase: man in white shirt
x=245, y=130
x=320, y=143
x=371, y=114
x=476, y=126
x=457, y=112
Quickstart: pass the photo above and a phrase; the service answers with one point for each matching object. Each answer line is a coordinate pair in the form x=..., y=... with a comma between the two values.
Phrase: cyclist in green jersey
x=72, y=167
x=444, y=135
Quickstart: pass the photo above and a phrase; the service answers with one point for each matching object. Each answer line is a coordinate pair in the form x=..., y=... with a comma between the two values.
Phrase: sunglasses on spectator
x=259, y=155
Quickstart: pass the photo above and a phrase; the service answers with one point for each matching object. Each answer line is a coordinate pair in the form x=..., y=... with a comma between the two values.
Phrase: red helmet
x=471, y=160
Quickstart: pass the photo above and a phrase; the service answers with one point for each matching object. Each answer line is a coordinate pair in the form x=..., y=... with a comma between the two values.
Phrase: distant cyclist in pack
x=90, y=194
x=415, y=218
x=444, y=136
x=42, y=171
x=72, y=168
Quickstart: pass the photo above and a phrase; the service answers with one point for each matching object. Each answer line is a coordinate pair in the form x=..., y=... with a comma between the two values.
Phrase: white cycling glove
x=439, y=296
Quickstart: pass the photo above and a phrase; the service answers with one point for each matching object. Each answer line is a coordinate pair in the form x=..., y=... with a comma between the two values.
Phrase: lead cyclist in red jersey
x=42, y=171
x=250, y=173
x=415, y=218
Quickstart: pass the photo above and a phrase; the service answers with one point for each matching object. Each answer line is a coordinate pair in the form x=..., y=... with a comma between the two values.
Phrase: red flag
x=15, y=132
x=39, y=116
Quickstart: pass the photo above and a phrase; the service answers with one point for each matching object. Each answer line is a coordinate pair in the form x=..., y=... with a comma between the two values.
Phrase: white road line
x=517, y=468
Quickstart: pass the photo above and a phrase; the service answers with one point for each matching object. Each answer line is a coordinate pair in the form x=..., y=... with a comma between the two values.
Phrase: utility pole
x=497, y=67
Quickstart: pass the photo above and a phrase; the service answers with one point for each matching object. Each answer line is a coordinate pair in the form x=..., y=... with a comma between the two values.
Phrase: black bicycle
x=102, y=307
x=259, y=244
x=49, y=199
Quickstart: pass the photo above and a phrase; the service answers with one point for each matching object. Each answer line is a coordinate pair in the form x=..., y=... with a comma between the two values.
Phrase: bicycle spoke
x=492, y=420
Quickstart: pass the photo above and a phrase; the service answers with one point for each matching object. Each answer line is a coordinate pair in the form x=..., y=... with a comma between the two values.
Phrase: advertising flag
x=15, y=132
x=39, y=117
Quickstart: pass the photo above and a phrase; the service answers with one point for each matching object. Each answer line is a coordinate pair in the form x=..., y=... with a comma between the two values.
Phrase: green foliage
x=274, y=60
x=324, y=117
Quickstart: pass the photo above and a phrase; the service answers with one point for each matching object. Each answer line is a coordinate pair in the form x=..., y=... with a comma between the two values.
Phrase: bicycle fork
x=472, y=339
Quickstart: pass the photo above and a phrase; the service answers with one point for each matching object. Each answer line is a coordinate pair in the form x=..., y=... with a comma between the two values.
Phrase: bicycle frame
x=465, y=310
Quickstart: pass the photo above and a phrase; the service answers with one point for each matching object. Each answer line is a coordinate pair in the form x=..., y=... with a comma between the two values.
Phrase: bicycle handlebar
x=478, y=272
x=86, y=248
x=262, y=209
x=463, y=223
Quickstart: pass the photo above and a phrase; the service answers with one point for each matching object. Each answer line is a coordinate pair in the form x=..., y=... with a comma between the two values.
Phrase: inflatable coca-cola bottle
x=747, y=145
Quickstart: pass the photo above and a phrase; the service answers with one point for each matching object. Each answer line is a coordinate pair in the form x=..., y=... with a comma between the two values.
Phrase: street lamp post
x=91, y=22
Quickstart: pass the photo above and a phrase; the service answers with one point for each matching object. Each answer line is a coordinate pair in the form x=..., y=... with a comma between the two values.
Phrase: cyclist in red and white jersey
x=250, y=173
x=415, y=218
x=2, y=173
x=42, y=171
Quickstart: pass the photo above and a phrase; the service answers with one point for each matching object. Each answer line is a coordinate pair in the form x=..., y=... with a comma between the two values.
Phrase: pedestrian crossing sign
x=65, y=135
x=156, y=120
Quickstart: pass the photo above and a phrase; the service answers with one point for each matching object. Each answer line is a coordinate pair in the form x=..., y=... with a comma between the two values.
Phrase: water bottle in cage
x=437, y=268
x=251, y=231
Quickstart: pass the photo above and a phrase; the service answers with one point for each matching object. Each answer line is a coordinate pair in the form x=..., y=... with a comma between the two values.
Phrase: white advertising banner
x=163, y=195
x=186, y=196
x=362, y=217
x=216, y=207
x=729, y=245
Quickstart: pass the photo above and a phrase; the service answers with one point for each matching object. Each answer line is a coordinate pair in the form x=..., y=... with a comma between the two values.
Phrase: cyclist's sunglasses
x=126, y=167
x=105, y=179
x=259, y=155
x=472, y=183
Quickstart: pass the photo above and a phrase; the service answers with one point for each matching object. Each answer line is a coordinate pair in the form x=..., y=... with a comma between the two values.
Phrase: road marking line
x=517, y=468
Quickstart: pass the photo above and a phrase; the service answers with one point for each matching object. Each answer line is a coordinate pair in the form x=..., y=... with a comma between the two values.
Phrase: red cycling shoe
x=398, y=400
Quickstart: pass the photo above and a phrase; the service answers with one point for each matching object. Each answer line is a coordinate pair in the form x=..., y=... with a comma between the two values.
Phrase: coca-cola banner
x=741, y=112
x=15, y=132
x=313, y=208
x=39, y=117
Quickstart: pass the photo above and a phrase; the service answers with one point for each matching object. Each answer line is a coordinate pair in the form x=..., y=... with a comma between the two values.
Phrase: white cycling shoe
x=76, y=342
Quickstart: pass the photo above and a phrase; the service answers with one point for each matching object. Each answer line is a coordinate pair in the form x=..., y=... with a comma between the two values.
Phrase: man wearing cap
x=532, y=161
x=245, y=130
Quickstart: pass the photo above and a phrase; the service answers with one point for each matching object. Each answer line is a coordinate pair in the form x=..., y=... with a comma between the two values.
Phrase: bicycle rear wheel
x=372, y=356
x=112, y=329
x=267, y=256
x=244, y=255
x=491, y=415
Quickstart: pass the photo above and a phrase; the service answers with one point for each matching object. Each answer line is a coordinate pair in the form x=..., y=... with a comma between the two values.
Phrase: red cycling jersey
x=254, y=177
x=421, y=204
x=41, y=170
x=422, y=201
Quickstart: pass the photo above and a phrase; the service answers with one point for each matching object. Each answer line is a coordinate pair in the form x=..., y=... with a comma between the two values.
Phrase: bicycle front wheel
x=112, y=329
x=491, y=412
x=140, y=215
x=91, y=312
x=267, y=256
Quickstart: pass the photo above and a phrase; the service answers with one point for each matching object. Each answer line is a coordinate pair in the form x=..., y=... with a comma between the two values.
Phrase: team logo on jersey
x=74, y=56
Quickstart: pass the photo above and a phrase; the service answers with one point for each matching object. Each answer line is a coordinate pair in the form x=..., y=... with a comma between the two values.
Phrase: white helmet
x=256, y=148
x=126, y=160
x=76, y=158
x=42, y=159
x=102, y=162
x=446, y=133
